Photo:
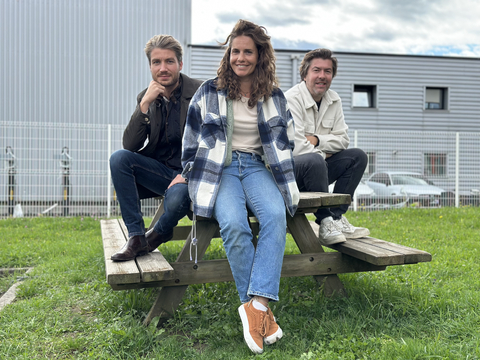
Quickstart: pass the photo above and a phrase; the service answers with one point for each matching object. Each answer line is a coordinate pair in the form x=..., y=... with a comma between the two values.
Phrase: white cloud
x=437, y=27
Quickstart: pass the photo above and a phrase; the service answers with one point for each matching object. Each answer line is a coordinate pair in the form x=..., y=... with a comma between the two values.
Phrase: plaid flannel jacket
x=205, y=144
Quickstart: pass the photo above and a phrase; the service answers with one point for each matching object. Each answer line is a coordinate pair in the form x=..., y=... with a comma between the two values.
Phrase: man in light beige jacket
x=321, y=141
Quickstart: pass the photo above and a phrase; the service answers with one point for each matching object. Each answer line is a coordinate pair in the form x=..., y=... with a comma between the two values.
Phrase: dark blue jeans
x=137, y=177
x=313, y=173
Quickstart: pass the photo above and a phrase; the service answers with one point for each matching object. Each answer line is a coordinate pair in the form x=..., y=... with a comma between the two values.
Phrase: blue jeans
x=137, y=177
x=346, y=167
x=247, y=184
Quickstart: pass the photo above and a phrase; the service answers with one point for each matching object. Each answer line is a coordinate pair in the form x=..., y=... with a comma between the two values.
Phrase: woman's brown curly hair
x=264, y=79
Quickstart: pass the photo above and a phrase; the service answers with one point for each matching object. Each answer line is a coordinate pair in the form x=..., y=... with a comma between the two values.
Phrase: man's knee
x=310, y=162
x=120, y=158
x=361, y=158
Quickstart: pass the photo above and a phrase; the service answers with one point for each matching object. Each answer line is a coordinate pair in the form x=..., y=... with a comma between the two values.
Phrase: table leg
x=307, y=242
x=169, y=297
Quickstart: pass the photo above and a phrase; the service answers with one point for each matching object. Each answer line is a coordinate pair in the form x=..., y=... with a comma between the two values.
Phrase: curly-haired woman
x=237, y=157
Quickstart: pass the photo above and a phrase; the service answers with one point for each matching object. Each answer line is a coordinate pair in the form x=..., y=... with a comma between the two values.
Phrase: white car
x=413, y=186
x=363, y=192
x=362, y=189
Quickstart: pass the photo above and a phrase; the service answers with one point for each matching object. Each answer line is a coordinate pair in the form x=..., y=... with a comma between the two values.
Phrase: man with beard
x=149, y=165
x=321, y=141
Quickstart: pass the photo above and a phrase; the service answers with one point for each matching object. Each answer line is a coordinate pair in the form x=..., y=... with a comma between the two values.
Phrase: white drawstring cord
x=194, y=238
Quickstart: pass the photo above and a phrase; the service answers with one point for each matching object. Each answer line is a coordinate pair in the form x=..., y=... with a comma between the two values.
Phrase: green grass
x=65, y=309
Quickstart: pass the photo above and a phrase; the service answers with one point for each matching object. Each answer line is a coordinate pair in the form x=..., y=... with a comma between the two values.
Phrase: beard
x=172, y=81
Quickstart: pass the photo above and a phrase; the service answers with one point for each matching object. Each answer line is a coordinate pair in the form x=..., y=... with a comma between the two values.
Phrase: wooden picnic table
x=152, y=270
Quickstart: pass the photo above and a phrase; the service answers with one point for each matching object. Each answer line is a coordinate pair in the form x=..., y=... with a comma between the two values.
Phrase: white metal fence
x=58, y=169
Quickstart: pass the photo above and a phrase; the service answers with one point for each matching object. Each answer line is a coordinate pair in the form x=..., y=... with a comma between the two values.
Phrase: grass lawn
x=65, y=309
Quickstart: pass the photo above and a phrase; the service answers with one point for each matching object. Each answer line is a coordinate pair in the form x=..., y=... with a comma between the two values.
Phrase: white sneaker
x=329, y=232
x=350, y=231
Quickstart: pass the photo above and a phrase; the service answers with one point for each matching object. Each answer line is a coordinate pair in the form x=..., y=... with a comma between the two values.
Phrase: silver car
x=413, y=187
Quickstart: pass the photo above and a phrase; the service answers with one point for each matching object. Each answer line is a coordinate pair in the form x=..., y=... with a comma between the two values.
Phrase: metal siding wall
x=205, y=61
x=81, y=61
x=284, y=71
x=400, y=81
x=68, y=64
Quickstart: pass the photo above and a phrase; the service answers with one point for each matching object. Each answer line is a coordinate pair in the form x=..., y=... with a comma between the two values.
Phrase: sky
x=413, y=27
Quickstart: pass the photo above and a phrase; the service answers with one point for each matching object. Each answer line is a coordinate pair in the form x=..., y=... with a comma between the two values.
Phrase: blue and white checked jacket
x=205, y=146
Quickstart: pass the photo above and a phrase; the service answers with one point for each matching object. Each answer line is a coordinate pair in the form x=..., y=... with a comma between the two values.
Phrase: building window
x=364, y=96
x=435, y=164
x=435, y=98
x=371, y=165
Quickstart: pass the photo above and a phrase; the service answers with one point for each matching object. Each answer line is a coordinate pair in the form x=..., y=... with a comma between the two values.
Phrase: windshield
x=408, y=180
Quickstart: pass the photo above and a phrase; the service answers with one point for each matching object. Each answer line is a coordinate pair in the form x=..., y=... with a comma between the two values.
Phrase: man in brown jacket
x=149, y=165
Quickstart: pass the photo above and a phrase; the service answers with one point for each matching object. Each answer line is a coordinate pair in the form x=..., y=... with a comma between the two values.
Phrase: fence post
x=65, y=167
x=10, y=159
x=457, y=169
x=355, y=145
x=109, y=176
x=294, y=59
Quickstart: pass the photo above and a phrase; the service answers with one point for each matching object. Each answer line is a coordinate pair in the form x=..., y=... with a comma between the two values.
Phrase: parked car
x=466, y=198
x=414, y=187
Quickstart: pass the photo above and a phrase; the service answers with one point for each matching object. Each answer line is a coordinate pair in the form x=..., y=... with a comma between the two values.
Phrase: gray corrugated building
x=70, y=68
x=391, y=91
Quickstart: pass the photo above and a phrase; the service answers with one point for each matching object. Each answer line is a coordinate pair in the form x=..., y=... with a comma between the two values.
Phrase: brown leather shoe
x=135, y=246
x=155, y=239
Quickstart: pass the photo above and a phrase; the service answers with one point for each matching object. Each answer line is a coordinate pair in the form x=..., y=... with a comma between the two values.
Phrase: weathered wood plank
x=379, y=252
x=153, y=266
x=373, y=255
x=317, y=199
x=309, y=202
x=211, y=271
x=411, y=255
x=113, y=239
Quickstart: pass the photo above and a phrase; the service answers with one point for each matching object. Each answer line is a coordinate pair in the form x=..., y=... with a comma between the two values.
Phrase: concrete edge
x=11, y=293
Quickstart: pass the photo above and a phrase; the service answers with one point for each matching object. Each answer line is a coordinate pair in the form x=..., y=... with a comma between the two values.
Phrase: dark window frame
x=442, y=103
x=371, y=97
x=372, y=162
x=435, y=164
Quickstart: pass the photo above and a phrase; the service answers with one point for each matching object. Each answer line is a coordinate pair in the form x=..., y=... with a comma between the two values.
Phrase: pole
x=457, y=169
x=11, y=180
x=65, y=167
x=355, y=145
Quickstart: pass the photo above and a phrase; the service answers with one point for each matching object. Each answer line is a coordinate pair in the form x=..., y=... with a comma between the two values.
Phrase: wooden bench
x=152, y=270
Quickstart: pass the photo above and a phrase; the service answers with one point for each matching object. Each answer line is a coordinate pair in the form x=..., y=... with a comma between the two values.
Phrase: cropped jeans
x=246, y=184
x=137, y=177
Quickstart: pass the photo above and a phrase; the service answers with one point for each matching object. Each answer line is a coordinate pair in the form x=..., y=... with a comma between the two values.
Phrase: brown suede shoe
x=135, y=246
x=255, y=326
x=273, y=332
x=155, y=239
